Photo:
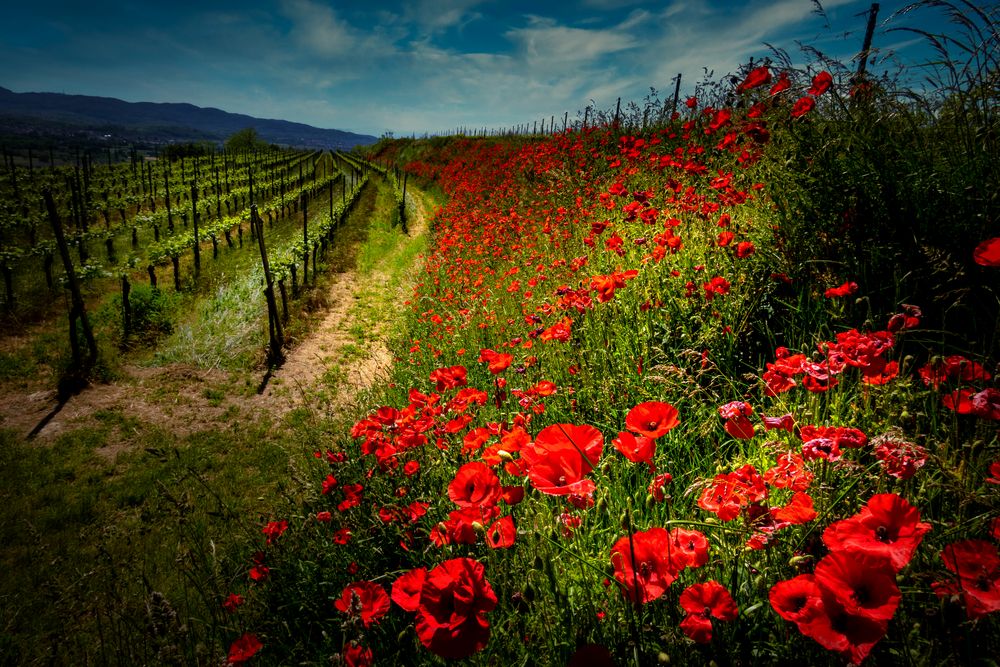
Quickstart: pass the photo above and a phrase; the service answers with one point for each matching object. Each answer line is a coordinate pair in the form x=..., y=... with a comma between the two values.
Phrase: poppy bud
x=478, y=527
x=662, y=658
x=505, y=456
x=650, y=501
x=538, y=563
x=623, y=521
x=800, y=561
x=401, y=637
x=529, y=592
x=606, y=466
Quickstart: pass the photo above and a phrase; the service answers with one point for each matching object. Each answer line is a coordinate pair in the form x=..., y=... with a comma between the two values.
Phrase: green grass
x=95, y=535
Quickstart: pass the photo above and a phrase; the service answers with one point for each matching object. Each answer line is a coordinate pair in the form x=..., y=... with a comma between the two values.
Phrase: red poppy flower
x=356, y=655
x=789, y=473
x=636, y=449
x=475, y=485
x=785, y=422
x=798, y=600
x=497, y=361
x=796, y=511
x=759, y=76
x=656, y=486
x=642, y=564
x=978, y=568
x=451, y=614
x=737, y=416
x=703, y=602
x=274, y=529
x=449, y=377
x=352, y=497
x=987, y=253
x=899, y=458
x=502, y=534
x=953, y=368
x=846, y=437
x=820, y=83
x=783, y=83
x=725, y=498
x=848, y=288
x=560, y=457
x=802, y=106
x=825, y=449
x=994, y=477
x=244, y=648
x=744, y=249
x=364, y=599
x=959, y=400
x=652, y=419
x=886, y=527
x=406, y=589
x=852, y=636
x=232, y=602
x=986, y=404
x=687, y=548
x=862, y=585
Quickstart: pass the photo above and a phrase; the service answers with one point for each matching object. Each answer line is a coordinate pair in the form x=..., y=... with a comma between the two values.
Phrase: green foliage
x=245, y=140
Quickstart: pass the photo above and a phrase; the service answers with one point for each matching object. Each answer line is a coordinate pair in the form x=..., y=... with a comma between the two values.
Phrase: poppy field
x=703, y=380
x=715, y=389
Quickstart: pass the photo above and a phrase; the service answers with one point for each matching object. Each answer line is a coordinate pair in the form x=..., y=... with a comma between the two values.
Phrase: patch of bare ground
x=184, y=400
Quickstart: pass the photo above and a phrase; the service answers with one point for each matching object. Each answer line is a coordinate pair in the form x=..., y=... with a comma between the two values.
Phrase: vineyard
x=702, y=381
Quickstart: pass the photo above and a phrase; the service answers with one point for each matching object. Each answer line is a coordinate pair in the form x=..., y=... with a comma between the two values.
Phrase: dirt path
x=323, y=359
x=185, y=400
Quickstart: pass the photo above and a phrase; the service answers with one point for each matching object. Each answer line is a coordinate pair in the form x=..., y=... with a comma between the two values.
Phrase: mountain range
x=51, y=115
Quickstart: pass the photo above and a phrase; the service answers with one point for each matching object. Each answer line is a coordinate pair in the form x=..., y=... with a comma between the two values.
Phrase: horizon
x=431, y=67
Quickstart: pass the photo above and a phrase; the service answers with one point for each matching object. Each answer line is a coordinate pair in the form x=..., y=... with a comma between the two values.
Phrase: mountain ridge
x=155, y=122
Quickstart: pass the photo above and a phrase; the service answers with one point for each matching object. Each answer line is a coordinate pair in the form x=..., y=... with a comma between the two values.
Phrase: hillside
x=57, y=114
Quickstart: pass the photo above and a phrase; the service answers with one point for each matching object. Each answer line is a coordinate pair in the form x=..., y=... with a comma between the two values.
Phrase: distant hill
x=52, y=115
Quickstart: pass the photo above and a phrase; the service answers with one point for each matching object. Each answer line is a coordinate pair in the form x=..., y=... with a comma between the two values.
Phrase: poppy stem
x=636, y=600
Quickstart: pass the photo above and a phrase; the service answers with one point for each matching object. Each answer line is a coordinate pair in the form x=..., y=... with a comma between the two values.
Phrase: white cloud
x=325, y=34
x=546, y=44
x=434, y=16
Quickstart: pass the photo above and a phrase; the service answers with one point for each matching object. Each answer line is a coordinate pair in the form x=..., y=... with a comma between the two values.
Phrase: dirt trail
x=308, y=363
x=185, y=400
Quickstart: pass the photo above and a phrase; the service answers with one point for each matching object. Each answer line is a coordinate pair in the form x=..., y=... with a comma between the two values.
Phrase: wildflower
x=802, y=106
x=987, y=253
x=652, y=419
x=702, y=602
x=636, y=449
x=887, y=527
x=977, y=566
x=364, y=599
x=451, y=602
x=759, y=76
x=820, y=84
x=643, y=565
x=737, y=416
x=243, y=649
x=848, y=288
x=474, y=485
x=560, y=457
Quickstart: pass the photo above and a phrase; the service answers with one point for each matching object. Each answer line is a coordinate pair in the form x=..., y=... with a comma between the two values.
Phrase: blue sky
x=419, y=65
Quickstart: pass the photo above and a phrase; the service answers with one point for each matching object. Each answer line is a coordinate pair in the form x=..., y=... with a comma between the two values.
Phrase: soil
x=184, y=399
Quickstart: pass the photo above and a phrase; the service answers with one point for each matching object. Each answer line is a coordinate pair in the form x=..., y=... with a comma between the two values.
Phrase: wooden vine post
x=276, y=335
x=77, y=310
x=194, y=218
x=305, y=238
